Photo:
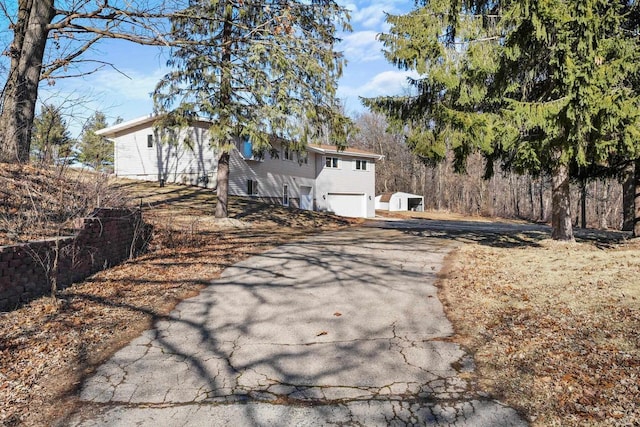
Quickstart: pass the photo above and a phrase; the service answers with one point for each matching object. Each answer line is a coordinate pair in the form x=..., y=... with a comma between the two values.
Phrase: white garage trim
x=347, y=204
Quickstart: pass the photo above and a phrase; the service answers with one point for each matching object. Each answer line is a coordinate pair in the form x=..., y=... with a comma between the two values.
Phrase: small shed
x=400, y=201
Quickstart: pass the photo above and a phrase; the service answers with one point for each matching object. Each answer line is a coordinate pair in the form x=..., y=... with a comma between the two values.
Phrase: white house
x=322, y=178
x=399, y=201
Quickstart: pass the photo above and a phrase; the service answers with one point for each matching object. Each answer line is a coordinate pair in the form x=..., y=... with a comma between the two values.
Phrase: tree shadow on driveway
x=339, y=320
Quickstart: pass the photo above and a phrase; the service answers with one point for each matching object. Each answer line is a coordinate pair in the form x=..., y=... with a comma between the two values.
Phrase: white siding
x=170, y=160
x=398, y=203
x=382, y=206
x=345, y=179
x=271, y=175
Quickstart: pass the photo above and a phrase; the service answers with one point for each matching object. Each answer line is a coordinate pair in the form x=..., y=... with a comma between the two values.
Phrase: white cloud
x=111, y=92
x=386, y=83
x=128, y=85
x=361, y=47
x=370, y=16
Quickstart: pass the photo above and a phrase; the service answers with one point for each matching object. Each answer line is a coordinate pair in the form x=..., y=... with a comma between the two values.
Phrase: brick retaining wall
x=105, y=238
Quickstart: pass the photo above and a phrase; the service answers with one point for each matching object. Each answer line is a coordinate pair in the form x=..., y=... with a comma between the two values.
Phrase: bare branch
x=63, y=62
x=103, y=64
x=6, y=13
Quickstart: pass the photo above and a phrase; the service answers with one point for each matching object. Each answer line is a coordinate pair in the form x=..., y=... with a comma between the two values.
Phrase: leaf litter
x=554, y=327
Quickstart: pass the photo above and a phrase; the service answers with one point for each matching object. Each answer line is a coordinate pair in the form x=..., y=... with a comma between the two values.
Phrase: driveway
x=343, y=328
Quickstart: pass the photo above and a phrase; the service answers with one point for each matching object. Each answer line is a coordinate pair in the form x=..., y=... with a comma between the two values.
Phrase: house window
x=247, y=148
x=331, y=162
x=361, y=165
x=285, y=195
x=149, y=141
x=287, y=154
x=252, y=187
x=303, y=158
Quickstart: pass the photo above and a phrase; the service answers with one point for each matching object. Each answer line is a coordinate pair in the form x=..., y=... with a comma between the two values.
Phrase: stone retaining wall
x=105, y=238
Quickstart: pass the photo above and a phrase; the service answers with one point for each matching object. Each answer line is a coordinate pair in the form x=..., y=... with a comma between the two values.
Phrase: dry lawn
x=554, y=327
x=444, y=216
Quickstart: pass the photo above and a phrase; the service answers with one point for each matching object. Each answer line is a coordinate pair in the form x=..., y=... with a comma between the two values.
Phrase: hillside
x=41, y=202
x=179, y=206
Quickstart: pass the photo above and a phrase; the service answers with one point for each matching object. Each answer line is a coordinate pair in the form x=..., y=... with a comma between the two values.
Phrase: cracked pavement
x=342, y=328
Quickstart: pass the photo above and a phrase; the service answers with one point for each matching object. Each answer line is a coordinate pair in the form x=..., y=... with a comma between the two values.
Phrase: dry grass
x=554, y=327
x=445, y=216
x=41, y=202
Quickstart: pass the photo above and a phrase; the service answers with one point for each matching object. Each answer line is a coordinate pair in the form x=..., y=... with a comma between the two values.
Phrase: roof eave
x=346, y=152
x=112, y=131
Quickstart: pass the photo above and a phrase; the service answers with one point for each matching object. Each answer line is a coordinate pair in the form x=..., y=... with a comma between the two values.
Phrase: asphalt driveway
x=342, y=328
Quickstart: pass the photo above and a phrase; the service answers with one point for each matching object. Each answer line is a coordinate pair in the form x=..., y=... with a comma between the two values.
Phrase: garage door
x=347, y=204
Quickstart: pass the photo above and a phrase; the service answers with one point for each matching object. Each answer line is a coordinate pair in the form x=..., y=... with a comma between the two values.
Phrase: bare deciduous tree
x=506, y=194
x=50, y=41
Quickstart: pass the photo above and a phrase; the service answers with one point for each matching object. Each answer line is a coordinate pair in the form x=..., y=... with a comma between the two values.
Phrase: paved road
x=343, y=328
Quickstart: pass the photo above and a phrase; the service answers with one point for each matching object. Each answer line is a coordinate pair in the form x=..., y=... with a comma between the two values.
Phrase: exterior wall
x=309, y=183
x=345, y=179
x=384, y=206
x=272, y=174
x=169, y=159
x=398, y=203
x=106, y=238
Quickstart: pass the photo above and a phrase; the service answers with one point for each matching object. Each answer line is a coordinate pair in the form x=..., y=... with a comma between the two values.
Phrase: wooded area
x=505, y=194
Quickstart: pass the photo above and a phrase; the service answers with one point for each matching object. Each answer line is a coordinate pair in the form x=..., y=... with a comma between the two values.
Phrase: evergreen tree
x=544, y=86
x=259, y=70
x=51, y=141
x=95, y=150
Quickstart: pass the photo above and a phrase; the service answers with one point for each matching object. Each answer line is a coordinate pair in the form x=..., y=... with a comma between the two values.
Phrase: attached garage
x=347, y=204
x=400, y=202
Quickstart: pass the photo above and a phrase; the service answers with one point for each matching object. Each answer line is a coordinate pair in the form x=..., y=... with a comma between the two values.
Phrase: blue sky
x=125, y=92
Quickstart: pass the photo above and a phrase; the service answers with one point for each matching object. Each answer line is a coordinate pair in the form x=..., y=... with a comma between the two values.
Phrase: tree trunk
x=439, y=187
x=223, y=186
x=21, y=89
x=605, y=208
x=513, y=186
x=541, y=199
x=561, y=205
x=225, y=99
x=532, y=204
x=583, y=205
x=628, y=196
x=636, y=219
